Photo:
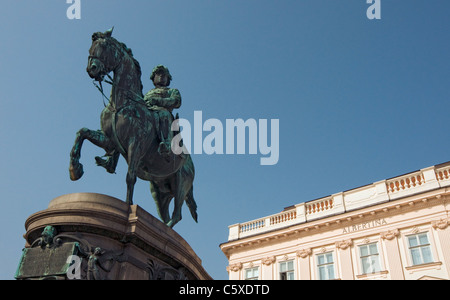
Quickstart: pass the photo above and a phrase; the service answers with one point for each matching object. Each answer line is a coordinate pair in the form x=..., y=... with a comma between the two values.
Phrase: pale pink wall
x=388, y=224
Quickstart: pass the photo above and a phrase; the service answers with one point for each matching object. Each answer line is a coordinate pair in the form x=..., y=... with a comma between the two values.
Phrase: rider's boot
x=165, y=136
x=164, y=149
x=110, y=163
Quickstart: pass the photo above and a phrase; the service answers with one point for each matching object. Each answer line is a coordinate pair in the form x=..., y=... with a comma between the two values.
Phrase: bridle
x=138, y=99
x=99, y=86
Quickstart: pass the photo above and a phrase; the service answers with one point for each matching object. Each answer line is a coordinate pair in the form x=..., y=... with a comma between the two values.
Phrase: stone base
x=107, y=239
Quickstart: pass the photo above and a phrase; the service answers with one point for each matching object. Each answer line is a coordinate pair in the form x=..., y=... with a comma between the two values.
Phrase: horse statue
x=128, y=129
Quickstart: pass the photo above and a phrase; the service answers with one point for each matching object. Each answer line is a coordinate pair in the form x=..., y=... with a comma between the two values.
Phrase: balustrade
x=319, y=206
x=283, y=217
x=405, y=182
x=443, y=174
x=253, y=225
x=398, y=187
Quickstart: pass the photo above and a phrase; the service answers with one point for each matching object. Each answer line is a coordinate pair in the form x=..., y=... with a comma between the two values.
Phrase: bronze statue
x=130, y=129
x=162, y=100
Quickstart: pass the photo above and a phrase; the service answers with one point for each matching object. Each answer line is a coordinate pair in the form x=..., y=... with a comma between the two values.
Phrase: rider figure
x=162, y=100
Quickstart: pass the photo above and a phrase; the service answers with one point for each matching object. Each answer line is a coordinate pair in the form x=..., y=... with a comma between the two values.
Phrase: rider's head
x=161, y=76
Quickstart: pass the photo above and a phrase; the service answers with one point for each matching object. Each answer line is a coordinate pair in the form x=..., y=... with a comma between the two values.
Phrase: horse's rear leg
x=162, y=201
x=94, y=136
x=134, y=157
x=180, y=195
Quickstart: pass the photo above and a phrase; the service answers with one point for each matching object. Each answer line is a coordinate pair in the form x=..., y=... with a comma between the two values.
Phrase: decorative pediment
x=426, y=277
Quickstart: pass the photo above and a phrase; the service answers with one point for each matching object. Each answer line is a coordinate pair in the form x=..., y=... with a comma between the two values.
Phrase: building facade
x=395, y=229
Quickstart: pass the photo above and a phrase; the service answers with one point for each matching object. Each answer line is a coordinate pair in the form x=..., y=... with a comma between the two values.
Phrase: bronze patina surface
x=138, y=128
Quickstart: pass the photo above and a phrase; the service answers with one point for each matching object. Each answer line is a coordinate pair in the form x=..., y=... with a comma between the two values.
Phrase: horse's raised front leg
x=94, y=136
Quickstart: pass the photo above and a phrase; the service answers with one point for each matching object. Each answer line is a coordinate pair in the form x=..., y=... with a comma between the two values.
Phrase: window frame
x=369, y=255
x=326, y=265
x=252, y=269
x=419, y=247
x=288, y=271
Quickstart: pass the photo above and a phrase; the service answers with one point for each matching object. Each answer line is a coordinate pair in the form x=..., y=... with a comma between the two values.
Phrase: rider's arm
x=172, y=101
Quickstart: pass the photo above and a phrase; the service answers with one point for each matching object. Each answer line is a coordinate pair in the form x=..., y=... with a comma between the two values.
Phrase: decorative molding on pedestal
x=113, y=240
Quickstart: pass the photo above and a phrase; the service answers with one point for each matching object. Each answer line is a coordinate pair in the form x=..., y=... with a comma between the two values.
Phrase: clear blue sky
x=358, y=101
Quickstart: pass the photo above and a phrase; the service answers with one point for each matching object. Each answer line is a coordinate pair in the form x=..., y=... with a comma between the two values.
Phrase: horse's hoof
x=172, y=223
x=76, y=171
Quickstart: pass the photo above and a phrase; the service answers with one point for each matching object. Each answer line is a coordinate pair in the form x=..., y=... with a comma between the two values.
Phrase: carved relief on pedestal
x=63, y=255
x=158, y=271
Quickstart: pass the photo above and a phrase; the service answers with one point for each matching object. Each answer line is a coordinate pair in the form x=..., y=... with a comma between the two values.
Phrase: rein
x=113, y=123
x=100, y=89
x=115, y=110
x=111, y=82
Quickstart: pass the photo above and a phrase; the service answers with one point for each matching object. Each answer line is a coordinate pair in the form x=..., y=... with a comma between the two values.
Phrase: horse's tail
x=191, y=204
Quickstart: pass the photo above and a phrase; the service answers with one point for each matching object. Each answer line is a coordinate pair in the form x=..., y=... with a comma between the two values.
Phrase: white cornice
x=380, y=211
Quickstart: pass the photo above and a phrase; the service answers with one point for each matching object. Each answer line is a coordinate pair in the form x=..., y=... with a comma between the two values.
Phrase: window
x=287, y=270
x=252, y=274
x=420, y=249
x=370, y=260
x=325, y=266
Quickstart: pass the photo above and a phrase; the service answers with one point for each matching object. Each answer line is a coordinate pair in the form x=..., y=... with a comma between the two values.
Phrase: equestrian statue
x=138, y=128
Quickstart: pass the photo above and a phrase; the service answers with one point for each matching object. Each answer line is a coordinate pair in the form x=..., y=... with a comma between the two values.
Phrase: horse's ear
x=109, y=32
x=96, y=36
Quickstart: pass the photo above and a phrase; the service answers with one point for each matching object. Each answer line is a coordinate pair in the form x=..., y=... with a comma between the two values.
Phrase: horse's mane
x=123, y=46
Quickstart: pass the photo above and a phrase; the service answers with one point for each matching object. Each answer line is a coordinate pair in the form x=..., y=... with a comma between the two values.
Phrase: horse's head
x=103, y=55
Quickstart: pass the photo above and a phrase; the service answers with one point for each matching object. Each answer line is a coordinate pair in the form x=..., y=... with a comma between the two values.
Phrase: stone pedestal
x=94, y=236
